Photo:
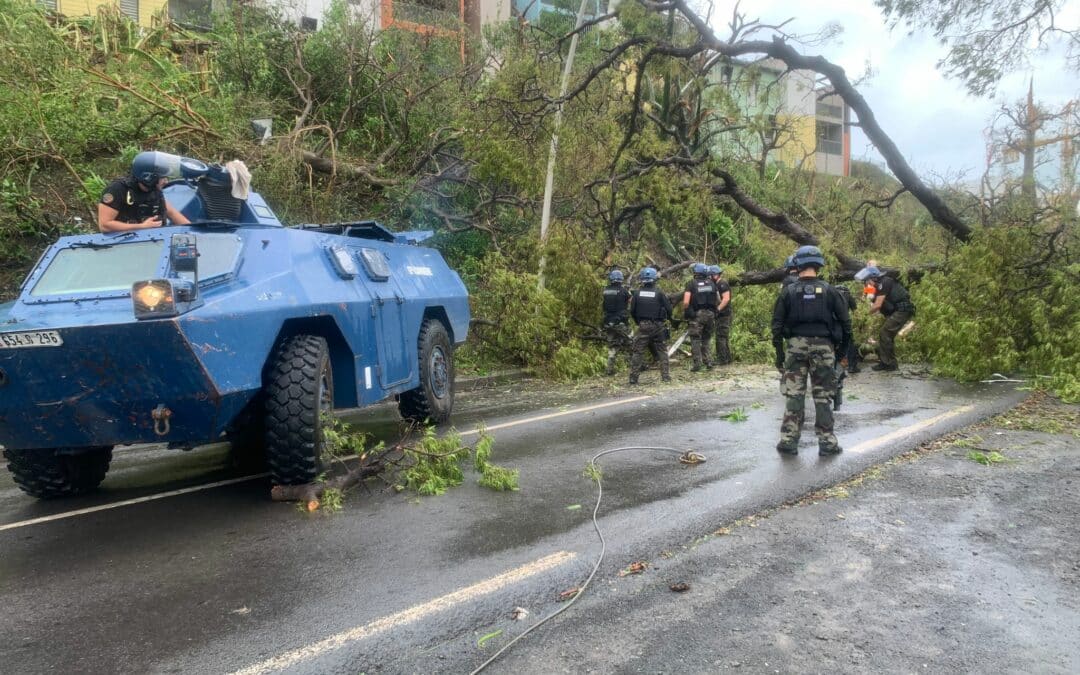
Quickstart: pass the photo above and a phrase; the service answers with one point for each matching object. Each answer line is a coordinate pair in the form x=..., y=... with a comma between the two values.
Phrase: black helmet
x=149, y=167
x=808, y=256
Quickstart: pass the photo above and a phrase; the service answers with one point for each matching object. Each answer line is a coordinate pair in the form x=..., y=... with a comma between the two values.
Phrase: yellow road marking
x=233, y=481
x=908, y=430
x=409, y=615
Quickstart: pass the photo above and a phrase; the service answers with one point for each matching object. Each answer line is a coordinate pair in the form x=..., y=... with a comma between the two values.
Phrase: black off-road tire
x=51, y=474
x=299, y=391
x=433, y=400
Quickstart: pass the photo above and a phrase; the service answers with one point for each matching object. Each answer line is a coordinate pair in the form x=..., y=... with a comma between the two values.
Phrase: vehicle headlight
x=153, y=299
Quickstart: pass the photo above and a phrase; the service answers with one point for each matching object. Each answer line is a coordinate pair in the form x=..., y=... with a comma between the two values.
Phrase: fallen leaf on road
x=722, y=531
x=840, y=516
x=680, y=587
x=634, y=568
x=573, y=507
x=242, y=611
x=481, y=641
x=567, y=595
x=519, y=613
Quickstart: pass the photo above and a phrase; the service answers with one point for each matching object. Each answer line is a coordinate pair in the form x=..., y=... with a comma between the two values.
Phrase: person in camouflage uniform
x=814, y=320
x=650, y=308
x=616, y=319
x=723, y=316
x=700, y=302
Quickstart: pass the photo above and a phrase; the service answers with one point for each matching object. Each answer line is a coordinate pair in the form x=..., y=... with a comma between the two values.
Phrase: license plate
x=41, y=338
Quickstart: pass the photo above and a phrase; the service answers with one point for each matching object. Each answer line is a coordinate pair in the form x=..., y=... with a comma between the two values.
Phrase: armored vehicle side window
x=375, y=264
x=100, y=270
x=218, y=254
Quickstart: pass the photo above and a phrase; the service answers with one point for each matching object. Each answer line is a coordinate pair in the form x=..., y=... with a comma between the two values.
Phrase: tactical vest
x=809, y=310
x=615, y=297
x=647, y=305
x=898, y=300
x=704, y=295
x=137, y=205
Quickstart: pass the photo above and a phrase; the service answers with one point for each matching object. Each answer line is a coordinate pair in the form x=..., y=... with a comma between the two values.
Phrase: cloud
x=936, y=124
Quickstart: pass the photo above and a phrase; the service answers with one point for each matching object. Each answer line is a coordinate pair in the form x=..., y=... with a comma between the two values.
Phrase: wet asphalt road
x=222, y=579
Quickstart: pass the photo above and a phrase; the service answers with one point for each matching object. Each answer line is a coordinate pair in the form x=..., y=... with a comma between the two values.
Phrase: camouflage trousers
x=650, y=335
x=816, y=358
x=723, y=332
x=701, y=331
x=617, y=336
x=886, y=349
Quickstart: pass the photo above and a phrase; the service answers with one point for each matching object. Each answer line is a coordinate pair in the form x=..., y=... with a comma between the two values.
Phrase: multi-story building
x=140, y=11
x=791, y=118
x=442, y=17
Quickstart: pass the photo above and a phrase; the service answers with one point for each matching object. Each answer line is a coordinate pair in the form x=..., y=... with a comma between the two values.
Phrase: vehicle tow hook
x=161, y=416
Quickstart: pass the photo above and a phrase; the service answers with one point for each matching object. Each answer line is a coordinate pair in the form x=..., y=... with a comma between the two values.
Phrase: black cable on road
x=685, y=456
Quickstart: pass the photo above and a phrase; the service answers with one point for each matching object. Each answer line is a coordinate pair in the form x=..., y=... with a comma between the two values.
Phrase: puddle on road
x=646, y=480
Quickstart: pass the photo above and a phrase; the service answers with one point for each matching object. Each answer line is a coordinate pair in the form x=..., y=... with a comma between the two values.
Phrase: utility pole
x=549, y=181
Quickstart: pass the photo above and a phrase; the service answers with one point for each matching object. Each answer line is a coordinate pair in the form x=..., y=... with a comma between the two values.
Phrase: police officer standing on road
x=723, y=315
x=814, y=320
x=136, y=202
x=893, y=301
x=650, y=308
x=700, y=303
x=616, y=318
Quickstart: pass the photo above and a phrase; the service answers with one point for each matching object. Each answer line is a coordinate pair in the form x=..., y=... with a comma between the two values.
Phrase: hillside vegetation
x=397, y=126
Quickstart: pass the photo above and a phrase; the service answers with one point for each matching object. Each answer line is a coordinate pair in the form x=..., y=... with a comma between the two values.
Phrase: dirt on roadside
x=963, y=556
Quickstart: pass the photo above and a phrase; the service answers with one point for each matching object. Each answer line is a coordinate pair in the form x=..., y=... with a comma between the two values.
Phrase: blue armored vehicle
x=231, y=327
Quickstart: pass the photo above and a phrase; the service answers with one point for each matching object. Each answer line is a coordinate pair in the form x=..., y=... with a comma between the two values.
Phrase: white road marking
x=129, y=502
x=908, y=430
x=562, y=413
x=233, y=481
x=410, y=615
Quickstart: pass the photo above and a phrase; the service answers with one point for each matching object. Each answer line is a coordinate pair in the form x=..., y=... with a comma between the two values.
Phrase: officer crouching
x=814, y=320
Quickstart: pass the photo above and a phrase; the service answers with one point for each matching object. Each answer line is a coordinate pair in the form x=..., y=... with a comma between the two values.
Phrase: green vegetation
x=736, y=415
x=986, y=458
x=394, y=125
x=434, y=464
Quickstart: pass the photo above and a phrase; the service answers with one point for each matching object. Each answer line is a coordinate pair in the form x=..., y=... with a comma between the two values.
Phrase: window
x=830, y=138
x=375, y=264
x=218, y=254
x=309, y=24
x=771, y=130
x=87, y=269
x=827, y=110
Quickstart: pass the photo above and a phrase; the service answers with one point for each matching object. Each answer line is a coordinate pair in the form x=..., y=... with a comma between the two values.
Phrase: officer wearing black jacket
x=136, y=202
x=894, y=302
x=700, y=304
x=650, y=308
x=616, y=318
x=813, y=319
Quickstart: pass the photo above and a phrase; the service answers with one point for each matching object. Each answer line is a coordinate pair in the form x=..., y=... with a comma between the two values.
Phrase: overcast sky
x=933, y=121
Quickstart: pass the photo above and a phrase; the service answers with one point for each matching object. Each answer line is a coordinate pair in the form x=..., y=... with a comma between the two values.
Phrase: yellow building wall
x=801, y=148
x=147, y=8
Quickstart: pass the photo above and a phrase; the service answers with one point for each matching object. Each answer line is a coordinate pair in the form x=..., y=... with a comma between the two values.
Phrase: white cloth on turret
x=241, y=178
